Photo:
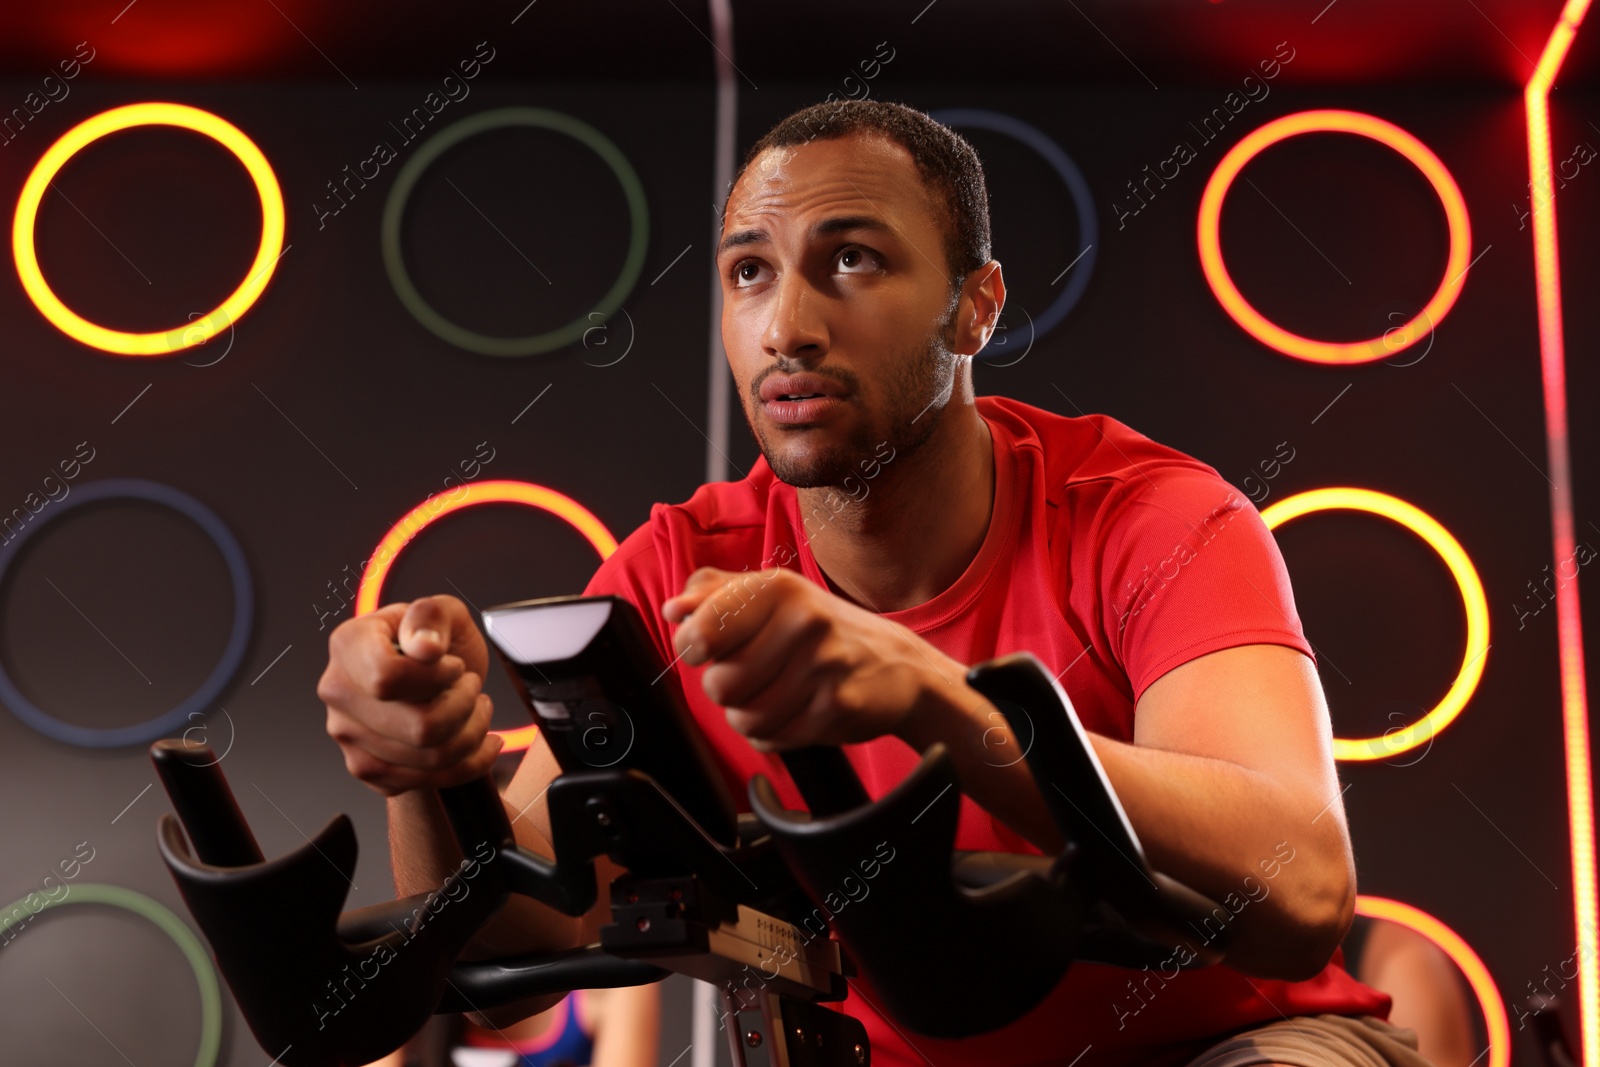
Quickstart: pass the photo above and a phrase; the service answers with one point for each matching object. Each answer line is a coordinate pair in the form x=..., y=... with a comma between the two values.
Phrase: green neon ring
x=204, y=974
x=500, y=118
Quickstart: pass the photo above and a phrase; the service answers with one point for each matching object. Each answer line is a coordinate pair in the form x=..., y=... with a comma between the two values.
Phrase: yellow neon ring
x=1496, y=1028
x=1275, y=336
x=491, y=492
x=1476, y=604
x=179, y=338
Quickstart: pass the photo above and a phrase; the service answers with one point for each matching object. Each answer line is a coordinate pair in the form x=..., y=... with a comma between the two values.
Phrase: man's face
x=834, y=281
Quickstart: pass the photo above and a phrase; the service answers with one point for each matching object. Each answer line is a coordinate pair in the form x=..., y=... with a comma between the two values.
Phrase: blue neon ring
x=221, y=674
x=1071, y=176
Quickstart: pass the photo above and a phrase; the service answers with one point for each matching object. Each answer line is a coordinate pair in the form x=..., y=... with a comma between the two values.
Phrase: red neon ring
x=1291, y=344
x=491, y=492
x=1493, y=1006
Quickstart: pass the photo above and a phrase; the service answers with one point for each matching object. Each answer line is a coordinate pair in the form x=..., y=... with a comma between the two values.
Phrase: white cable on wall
x=702, y=1034
x=722, y=176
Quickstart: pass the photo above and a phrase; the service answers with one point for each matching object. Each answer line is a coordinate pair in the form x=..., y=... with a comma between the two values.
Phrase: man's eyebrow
x=837, y=224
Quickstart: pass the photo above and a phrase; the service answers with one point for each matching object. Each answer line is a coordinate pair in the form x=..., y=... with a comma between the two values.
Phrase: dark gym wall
x=330, y=411
x=332, y=414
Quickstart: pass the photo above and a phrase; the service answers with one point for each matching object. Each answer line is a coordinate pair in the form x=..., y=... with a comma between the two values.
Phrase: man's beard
x=915, y=398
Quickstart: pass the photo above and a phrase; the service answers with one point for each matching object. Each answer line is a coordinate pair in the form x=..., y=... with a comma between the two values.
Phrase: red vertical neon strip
x=1569, y=624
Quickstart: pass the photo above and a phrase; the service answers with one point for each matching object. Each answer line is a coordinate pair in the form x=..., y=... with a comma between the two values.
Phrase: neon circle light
x=1082, y=201
x=490, y=492
x=500, y=118
x=194, y=952
x=1472, y=967
x=197, y=331
x=1455, y=557
x=232, y=655
x=1291, y=344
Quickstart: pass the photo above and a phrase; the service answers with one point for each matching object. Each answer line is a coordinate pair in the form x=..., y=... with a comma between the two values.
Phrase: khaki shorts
x=1318, y=1041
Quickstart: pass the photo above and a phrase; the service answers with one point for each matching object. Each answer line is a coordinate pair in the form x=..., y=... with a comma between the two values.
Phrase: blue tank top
x=563, y=1044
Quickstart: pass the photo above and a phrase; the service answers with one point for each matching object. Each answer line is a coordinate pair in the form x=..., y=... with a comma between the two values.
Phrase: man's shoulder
x=722, y=524
x=1095, y=456
x=723, y=507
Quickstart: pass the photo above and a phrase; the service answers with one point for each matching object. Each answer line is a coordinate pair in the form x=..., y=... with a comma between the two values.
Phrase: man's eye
x=740, y=272
x=851, y=257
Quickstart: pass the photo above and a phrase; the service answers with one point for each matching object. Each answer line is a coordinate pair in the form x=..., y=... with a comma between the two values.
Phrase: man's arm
x=423, y=851
x=1232, y=751
x=413, y=719
x=1231, y=771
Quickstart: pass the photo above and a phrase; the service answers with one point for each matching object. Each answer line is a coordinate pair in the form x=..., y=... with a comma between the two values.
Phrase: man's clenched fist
x=416, y=716
x=794, y=665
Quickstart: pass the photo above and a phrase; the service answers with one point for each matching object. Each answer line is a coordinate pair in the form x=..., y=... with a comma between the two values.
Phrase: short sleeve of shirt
x=1188, y=568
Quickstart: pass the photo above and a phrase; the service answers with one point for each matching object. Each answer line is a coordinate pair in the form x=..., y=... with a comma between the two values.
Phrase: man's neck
x=904, y=536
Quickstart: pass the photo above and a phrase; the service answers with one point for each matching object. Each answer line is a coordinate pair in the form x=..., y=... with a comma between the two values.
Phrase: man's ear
x=985, y=292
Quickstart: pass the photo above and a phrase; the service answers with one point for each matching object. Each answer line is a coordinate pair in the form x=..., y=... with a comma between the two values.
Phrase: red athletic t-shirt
x=1111, y=558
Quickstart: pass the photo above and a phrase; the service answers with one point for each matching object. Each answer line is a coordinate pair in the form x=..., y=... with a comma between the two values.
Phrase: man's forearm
x=1282, y=873
x=423, y=852
x=988, y=761
x=1221, y=828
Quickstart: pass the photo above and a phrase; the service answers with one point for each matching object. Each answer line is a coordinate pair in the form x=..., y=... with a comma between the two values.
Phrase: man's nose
x=798, y=326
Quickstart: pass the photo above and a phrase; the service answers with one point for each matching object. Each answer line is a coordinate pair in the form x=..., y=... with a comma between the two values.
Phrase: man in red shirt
x=896, y=530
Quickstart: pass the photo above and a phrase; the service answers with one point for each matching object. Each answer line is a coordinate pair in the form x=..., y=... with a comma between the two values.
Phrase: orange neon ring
x=1419, y=522
x=162, y=342
x=1274, y=336
x=1461, y=954
x=492, y=492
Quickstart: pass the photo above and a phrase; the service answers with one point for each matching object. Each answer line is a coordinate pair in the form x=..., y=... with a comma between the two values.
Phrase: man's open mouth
x=794, y=388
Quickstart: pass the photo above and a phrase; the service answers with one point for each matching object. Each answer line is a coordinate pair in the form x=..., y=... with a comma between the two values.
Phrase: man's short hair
x=948, y=165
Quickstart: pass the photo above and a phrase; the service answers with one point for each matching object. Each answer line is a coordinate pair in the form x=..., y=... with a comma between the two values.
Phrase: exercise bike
x=745, y=901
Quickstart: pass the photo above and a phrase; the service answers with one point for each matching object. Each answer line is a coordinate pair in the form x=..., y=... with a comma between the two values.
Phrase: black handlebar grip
x=825, y=779
x=204, y=803
x=477, y=814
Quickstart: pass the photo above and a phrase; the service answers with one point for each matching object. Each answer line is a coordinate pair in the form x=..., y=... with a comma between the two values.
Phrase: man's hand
x=415, y=720
x=795, y=665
